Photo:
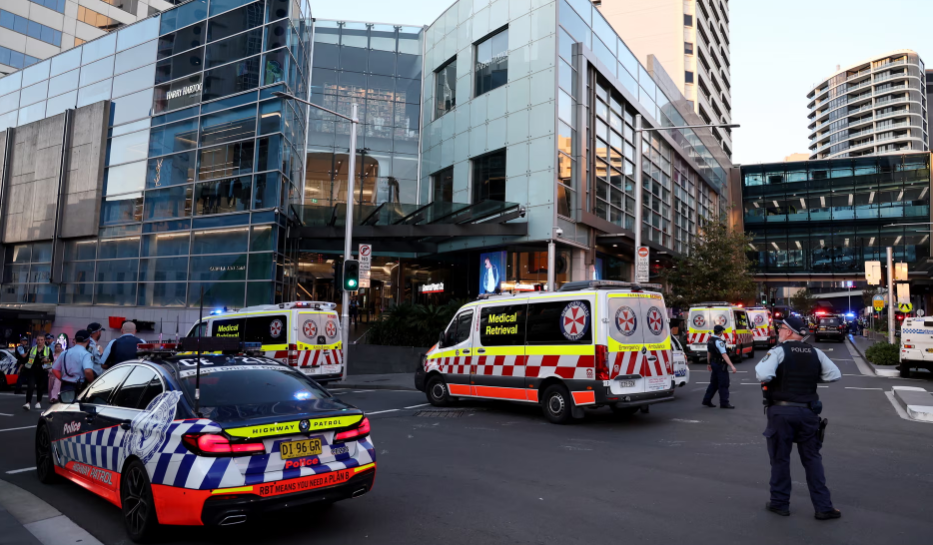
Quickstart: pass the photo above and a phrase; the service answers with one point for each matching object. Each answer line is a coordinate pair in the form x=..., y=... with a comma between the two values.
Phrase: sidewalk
x=25, y=519
x=383, y=381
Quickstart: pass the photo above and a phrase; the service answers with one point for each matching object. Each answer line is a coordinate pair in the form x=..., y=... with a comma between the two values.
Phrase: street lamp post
x=348, y=231
x=639, y=129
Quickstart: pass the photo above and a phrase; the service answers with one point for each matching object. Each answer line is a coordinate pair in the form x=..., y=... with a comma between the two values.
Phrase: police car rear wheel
x=556, y=404
x=45, y=467
x=437, y=392
x=139, y=514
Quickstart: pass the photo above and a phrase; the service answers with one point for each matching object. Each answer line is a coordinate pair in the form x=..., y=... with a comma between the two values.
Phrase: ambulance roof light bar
x=606, y=285
x=714, y=304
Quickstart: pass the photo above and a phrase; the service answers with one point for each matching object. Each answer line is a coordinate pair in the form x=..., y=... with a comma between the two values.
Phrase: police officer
x=789, y=374
x=75, y=368
x=36, y=370
x=22, y=354
x=95, y=330
x=719, y=365
x=123, y=348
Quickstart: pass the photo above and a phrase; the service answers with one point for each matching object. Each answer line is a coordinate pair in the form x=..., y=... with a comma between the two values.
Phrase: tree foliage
x=412, y=325
x=867, y=294
x=803, y=301
x=714, y=269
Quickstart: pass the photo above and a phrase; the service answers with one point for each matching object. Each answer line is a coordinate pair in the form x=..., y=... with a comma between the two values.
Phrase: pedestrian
x=36, y=371
x=719, y=365
x=22, y=354
x=789, y=374
x=123, y=348
x=95, y=330
x=354, y=312
x=75, y=368
x=55, y=385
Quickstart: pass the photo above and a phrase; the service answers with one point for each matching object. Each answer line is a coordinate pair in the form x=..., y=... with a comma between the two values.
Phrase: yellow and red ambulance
x=764, y=334
x=704, y=317
x=590, y=344
x=302, y=334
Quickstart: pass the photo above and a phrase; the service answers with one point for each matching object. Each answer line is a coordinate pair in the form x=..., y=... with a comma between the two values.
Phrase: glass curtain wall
x=832, y=216
x=378, y=67
x=202, y=161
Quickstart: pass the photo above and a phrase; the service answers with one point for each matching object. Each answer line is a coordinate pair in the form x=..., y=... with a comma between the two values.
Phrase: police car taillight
x=602, y=362
x=212, y=444
x=356, y=433
x=293, y=355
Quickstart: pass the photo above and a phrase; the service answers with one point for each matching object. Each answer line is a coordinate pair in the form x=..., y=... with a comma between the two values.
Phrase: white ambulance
x=764, y=334
x=704, y=317
x=302, y=334
x=591, y=344
x=916, y=345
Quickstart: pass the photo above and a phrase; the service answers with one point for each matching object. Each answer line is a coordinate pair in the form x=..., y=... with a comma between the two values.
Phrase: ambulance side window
x=741, y=320
x=460, y=329
x=194, y=330
x=271, y=329
x=559, y=322
x=502, y=325
x=230, y=328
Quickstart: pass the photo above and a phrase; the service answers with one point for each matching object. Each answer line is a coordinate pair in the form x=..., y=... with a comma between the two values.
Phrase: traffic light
x=351, y=275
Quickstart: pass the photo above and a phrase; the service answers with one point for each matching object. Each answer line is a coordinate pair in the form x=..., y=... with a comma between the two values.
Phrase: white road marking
x=684, y=420
x=385, y=411
x=23, y=428
x=24, y=470
x=822, y=386
x=856, y=388
x=751, y=384
x=702, y=382
x=360, y=391
x=416, y=406
x=5, y=414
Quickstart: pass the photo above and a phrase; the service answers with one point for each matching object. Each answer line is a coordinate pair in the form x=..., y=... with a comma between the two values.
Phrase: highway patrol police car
x=591, y=344
x=262, y=436
x=916, y=345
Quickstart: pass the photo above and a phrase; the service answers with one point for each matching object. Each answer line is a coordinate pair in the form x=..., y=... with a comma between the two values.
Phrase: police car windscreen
x=238, y=392
x=829, y=322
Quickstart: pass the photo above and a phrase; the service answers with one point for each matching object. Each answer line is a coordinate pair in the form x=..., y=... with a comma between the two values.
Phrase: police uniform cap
x=718, y=329
x=94, y=327
x=82, y=335
x=796, y=325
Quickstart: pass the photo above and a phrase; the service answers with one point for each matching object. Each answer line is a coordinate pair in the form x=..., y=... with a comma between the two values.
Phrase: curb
x=43, y=521
x=879, y=370
x=369, y=386
x=917, y=402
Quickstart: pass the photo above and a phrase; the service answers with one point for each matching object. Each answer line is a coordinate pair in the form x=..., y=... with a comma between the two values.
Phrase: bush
x=412, y=325
x=883, y=353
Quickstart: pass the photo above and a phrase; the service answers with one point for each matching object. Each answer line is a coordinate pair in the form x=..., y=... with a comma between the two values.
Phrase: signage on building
x=903, y=295
x=184, y=91
x=432, y=288
x=642, y=264
x=366, y=261
x=873, y=272
x=900, y=272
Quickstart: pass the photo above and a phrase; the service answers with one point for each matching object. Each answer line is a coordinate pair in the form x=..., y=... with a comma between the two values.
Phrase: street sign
x=905, y=307
x=877, y=302
x=642, y=264
x=366, y=261
x=900, y=272
x=903, y=293
x=873, y=272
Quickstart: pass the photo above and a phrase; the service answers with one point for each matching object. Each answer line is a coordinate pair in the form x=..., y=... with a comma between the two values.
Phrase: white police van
x=916, y=345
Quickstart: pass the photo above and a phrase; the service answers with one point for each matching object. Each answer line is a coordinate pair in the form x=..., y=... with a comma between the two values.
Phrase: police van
x=302, y=334
x=704, y=317
x=764, y=334
x=590, y=344
x=916, y=345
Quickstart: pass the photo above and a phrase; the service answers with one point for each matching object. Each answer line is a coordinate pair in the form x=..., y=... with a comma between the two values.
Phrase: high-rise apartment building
x=691, y=40
x=33, y=30
x=874, y=107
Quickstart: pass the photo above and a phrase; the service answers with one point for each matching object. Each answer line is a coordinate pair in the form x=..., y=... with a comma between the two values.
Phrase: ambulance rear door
x=699, y=328
x=311, y=341
x=723, y=316
x=626, y=344
x=657, y=365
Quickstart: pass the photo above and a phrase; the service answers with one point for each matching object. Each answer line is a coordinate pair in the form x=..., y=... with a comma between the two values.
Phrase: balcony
x=882, y=101
x=899, y=113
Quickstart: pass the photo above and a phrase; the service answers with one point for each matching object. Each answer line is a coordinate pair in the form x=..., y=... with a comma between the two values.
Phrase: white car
x=681, y=369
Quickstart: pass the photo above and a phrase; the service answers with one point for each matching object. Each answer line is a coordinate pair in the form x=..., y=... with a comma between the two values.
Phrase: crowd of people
x=52, y=366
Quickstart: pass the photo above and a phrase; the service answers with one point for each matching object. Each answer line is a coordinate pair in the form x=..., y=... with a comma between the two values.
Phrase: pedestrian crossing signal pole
x=891, y=299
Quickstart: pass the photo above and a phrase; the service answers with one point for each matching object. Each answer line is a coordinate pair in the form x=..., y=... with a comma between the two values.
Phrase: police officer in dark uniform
x=789, y=374
x=123, y=348
x=719, y=365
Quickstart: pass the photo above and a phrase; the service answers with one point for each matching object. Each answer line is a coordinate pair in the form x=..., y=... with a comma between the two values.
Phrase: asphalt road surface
x=487, y=472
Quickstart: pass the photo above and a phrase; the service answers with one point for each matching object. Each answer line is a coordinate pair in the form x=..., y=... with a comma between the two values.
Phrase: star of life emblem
x=626, y=321
x=575, y=320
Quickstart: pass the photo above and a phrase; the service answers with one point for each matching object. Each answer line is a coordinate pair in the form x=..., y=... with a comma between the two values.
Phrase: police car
x=261, y=437
x=916, y=345
x=591, y=344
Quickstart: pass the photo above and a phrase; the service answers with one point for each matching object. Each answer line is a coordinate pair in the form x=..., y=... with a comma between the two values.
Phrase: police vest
x=123, y=349
x=46, y=353
x=713, y=351
x=797, y=376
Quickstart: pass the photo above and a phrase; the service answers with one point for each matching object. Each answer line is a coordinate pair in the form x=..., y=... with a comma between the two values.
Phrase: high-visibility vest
x=47, y=354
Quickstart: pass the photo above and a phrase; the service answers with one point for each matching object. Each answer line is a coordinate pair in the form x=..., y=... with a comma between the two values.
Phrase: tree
x=867, y=294
x=803, y=301
x=715, y=268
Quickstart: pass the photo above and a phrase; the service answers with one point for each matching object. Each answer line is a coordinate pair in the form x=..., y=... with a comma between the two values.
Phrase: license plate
x=680, y=373
x=824, y=329
x=627, y=383
x=298, y=449
x=699, y=346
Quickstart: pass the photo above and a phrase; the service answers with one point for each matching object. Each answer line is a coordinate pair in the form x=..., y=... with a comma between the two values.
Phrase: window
x=459, y=330
x=100, y=390
x=443, y=183
x=741, y=320
x=559, y=322
x=688, y=20
x=445, y=92
x=489, y=177
x=688, y=76
x=30, y=28
x=688, y=48
x=502, y=326
x=99, y=20
x=129, y=394
x=492, y=62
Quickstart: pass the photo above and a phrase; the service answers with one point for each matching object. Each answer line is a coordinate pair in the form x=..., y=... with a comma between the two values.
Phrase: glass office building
x=823, y=219
x=200, y=161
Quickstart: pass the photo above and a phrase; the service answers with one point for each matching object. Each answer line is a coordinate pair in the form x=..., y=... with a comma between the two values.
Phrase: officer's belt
x=791, y=404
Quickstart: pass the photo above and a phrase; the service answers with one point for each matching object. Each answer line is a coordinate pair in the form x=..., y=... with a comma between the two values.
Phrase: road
x=498, y=473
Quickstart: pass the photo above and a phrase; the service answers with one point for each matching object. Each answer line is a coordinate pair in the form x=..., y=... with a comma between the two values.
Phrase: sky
x=780, y=50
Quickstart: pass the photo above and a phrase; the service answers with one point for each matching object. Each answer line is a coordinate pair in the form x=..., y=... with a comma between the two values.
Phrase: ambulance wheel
x=139, y=514
x=556, y=404
x=45, y=466
x=438, y=393
x=623, y=411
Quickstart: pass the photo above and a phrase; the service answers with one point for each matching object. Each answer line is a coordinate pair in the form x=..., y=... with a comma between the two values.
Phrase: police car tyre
x=438, y=393
x=45, y=466
x=556, y=404
x=623, y=411
x=139, y=514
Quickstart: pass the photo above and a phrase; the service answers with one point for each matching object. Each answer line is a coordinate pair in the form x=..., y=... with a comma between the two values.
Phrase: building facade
x=34, y=30
x=691, y=40
x=820, y=221
x=874, y=107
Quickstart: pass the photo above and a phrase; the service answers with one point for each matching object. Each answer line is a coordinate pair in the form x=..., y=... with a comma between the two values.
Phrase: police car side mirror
x=87, y=408
x=67, y=396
